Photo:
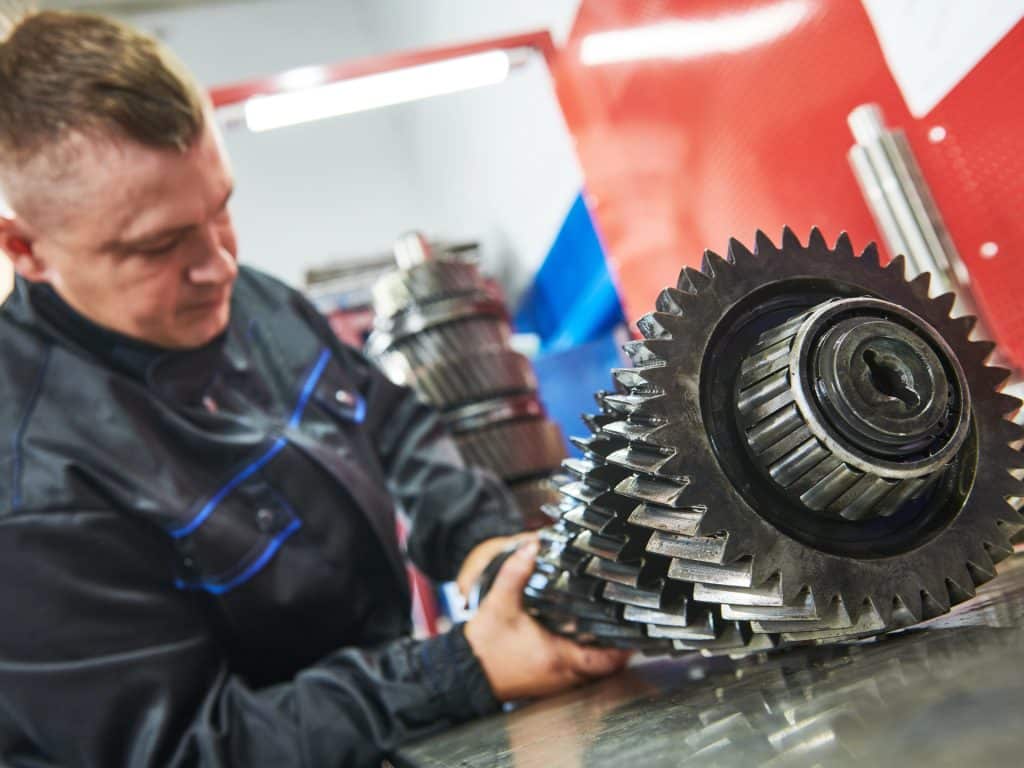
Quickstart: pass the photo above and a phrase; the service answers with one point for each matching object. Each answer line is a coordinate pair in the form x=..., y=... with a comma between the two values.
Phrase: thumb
x=508, y=586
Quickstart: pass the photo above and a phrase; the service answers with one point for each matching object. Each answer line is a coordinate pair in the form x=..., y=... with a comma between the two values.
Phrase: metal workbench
x=948, y=694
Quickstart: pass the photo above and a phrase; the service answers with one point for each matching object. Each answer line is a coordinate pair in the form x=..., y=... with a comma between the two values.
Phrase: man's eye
x=160, y=250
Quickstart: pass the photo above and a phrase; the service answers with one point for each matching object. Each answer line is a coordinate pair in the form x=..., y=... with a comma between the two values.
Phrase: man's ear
x=16, y=243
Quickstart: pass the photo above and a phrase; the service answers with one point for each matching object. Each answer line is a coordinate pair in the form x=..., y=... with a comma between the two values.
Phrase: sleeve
x=452, y=507
x=103, y=663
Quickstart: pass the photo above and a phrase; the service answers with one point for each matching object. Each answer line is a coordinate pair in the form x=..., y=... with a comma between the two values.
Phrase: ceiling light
x=358, y=94
x=727, y=33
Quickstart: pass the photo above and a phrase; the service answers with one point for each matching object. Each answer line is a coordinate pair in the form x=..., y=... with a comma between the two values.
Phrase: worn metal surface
x=948, y=694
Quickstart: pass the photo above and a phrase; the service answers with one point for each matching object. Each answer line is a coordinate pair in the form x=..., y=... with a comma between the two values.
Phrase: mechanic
x=198, y=555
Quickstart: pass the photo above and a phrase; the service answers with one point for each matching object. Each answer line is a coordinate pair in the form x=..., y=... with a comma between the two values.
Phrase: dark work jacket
x=198, y=559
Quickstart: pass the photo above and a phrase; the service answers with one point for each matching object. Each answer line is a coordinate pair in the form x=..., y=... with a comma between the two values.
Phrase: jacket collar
x=180, y=375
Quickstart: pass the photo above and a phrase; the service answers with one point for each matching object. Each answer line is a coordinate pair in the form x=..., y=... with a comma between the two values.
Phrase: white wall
x=495, y=163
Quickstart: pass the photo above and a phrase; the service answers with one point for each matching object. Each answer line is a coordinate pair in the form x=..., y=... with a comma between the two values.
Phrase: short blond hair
x=67, y=73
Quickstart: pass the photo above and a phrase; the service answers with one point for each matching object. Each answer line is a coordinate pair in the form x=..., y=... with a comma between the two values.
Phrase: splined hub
x=853, y=407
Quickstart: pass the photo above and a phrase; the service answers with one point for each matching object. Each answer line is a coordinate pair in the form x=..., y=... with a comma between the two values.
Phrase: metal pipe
x=908, y=218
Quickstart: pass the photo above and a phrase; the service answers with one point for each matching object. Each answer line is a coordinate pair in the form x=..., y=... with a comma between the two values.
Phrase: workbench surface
x=949, y=694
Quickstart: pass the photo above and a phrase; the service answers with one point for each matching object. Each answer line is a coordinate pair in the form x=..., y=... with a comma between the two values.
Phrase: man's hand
x=481, y=556
x=520, y=658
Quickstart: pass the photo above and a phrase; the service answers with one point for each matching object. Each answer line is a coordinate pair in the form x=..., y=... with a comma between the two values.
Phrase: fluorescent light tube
x=264, y=113
x=688, y=39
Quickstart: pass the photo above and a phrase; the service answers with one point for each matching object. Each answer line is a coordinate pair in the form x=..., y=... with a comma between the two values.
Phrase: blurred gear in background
x=440, y=329
x=808, y=449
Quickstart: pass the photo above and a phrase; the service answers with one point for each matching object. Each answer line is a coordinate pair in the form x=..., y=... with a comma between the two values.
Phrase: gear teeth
x=959, y=586
x=964, y=325
x=712, y=264
x=693, y=281
x=907, y=609
x=641, y=615
x=650, y=406
x=739, y=254
x=1004, y=404
x=658, y=325
x=703, y=549
x=870, y=622
x=870, y=256
x=659, y=570
x=898, y=266
x=844, y=248
x=648, y=378
x=790, y=242
x=700, y=627
x=672, y=301
x=606, y=546
x=655, y=491
x=627, y=574
x=803, y=609
x=921, y=286
x=763, y=245
x=737, y=574
x=647, y=461
x=768, y=594
x=944, y=303
x=816, y=242
x=648, y=351
x=834, y=617
x=635, y=432
x=682, y=522
x=982, y=350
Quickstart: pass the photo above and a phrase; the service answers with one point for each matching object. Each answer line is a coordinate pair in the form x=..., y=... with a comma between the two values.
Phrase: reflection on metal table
x=948, y=693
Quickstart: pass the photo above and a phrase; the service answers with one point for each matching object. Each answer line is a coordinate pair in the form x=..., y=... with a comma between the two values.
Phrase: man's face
x=138, y=240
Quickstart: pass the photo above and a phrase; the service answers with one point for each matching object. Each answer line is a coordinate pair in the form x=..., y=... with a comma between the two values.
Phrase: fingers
x=589, y=662
x=511, y=579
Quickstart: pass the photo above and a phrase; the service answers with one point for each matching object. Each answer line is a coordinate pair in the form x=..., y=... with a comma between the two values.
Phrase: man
x=198, y=561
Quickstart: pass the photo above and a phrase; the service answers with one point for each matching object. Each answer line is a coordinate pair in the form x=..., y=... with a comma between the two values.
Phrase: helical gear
x=690, y=525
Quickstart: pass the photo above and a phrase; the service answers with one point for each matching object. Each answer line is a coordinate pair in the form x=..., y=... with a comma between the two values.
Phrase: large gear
x=809, y=448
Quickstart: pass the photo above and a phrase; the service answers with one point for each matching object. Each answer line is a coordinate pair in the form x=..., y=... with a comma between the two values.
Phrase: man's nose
x=217, y=266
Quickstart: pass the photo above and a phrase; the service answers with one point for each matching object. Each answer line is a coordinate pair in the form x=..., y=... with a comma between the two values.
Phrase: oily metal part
x=459, y=320
x=401, y=358
x=658, y=507
x=514, y=449
x=860, y=446
x=481, y=374
x=440, y=331
x=424, y=283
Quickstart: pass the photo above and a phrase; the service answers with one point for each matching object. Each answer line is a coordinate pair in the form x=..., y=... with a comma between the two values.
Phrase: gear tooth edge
x=816, y=241
x=898, y=264
x=1006, y=404
x=671, y=301
x=843, y=246
x=652, y=327
x=934, y=602
x=712, y=264
x=790, y=242
x=693, y=280
x=922, y=285
x=907, y=607
x=964, y=324
x=738, y=252
x=945, y=302
x=870, y=255
x=763, y=245
x=982, y=350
